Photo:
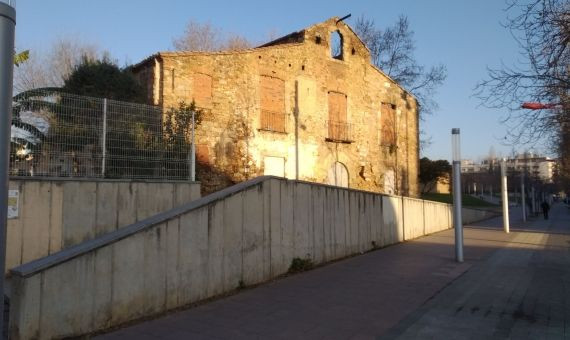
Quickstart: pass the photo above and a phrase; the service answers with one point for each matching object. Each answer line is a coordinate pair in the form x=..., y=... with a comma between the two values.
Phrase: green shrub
x=300, y=265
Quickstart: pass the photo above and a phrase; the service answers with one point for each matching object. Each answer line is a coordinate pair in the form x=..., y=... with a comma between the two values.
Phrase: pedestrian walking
x=545, y=207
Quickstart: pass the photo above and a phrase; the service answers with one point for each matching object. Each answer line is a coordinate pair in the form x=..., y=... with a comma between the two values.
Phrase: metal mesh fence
x=57, y=134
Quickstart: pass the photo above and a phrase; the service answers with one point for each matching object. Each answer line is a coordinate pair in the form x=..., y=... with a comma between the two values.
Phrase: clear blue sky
x=466, y=36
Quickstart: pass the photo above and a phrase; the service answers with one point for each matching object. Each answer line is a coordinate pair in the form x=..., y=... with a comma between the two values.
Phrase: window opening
x=336, y=45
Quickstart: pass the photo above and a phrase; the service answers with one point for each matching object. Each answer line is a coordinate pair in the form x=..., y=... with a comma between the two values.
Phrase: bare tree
x=235, y=43
x=392, y=50
x=542, y=75
x=198, y=37
x=206, y=37
x=66, y=54
x=31, y=74
x=51, y=68
x=542, y=30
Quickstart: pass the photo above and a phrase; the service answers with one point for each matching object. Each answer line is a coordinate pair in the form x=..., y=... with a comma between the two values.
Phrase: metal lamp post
x=523, y=200
x=457, y=221
x=505, y=195
x=7, y=27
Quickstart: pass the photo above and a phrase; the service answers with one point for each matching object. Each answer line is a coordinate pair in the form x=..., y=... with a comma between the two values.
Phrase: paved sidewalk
x=511, y=285
x=521, y=292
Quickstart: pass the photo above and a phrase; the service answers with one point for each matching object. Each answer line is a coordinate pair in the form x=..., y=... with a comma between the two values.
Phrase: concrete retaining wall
x=54, y=214
x=470, y=215
x=248, y=233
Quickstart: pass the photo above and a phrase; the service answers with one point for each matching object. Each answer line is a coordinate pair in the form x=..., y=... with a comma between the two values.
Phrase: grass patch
x=300, y=265
x=466, y=200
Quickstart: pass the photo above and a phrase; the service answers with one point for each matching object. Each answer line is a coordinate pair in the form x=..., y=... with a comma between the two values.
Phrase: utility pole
x=505, y=196
x=457, y=220
x=7, y=27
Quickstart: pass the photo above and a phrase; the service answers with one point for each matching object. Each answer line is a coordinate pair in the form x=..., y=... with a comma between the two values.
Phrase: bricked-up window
x=272, y=104
x=202, y=154
x=202, y=90
x=388, y=124
x=336, y=42
x=337, y=123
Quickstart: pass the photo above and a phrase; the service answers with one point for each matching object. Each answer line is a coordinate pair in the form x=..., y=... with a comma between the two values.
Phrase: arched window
x=338, y=175
x=336, y=45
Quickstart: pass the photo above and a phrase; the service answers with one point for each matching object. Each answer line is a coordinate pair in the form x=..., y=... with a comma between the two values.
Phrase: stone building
x=309, y=105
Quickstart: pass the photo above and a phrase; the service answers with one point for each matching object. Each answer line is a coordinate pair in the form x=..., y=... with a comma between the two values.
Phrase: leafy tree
x=27, y=138
x=129, y=127
x=140, y=141
x=29, y=112
x=98, y=79
x=75, y=123
x=104, y=79
x=433, y=171
x=21, y=57
x=177, y=134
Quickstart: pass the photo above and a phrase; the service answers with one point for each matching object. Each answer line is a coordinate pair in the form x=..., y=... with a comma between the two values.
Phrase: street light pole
x=7, y=27
x=533, y=200
x=505, y=195
x=457, y=220
x=523, y=201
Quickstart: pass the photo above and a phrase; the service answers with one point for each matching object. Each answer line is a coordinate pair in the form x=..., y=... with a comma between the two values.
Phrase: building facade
x=309, y=105
x=536, y=166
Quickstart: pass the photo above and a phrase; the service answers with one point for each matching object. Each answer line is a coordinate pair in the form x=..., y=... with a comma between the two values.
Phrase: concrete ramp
x=245, y=234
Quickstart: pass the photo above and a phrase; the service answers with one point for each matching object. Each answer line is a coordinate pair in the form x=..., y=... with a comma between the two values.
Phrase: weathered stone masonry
x=356, y=126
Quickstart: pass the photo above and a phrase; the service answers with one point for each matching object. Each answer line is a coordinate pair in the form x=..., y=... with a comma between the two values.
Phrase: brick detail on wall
x=272, y=104
x=202, y=154
x=337, y=124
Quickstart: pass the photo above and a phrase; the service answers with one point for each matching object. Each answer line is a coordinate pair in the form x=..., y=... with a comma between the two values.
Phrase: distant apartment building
x=534, y=165
x=469, y=166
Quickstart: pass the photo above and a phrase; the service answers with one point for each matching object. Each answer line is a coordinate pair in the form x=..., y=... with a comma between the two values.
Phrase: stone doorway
x=338, y=175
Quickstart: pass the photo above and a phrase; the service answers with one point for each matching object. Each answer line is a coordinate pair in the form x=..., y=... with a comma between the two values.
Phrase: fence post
x=104, y=141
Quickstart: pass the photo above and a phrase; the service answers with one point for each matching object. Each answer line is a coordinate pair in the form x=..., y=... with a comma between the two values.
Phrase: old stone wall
x=249, y=98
